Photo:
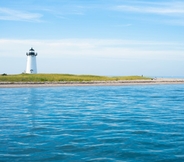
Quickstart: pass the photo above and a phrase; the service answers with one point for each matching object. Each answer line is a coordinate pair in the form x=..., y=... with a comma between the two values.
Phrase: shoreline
x=90, y=83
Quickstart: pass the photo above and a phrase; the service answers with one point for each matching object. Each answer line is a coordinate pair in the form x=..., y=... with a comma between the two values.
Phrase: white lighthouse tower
x=31, y=62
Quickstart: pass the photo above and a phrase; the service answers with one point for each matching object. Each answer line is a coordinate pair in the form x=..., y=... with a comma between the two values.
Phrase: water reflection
x=31, y=107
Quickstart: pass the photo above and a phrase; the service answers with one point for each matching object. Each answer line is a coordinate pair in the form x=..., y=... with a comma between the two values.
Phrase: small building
x=31, y=67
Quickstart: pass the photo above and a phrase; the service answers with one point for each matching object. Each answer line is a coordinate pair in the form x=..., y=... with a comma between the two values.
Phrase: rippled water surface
x=97, y=123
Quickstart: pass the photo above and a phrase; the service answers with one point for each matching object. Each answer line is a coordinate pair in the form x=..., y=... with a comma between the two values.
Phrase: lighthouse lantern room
x=31, y=62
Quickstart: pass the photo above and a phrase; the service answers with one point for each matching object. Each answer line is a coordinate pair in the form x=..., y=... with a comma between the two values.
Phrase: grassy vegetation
x=63, y=77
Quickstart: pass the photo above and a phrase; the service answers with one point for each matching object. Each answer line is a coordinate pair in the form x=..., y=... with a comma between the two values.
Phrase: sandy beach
x=91, y=83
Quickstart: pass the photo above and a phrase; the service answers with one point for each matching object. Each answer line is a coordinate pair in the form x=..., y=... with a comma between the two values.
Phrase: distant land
x=56, y=80
x=64, y=77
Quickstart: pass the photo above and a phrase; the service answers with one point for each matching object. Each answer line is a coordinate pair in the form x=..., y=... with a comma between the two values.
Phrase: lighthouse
x=31, y=62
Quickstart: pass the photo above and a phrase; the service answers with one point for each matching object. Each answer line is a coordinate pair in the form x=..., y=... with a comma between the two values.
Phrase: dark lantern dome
x=31, y=52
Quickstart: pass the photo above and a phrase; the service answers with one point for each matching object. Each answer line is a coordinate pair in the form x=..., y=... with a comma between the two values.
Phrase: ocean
x=92, y=123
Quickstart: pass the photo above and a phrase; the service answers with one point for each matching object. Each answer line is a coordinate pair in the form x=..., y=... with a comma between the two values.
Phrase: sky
x=98, y=37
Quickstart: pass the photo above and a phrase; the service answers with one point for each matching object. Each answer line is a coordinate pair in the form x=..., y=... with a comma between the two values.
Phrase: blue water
x=97, y=123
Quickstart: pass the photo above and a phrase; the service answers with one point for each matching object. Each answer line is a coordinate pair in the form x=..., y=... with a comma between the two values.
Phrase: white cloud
x=170, y=12
x=16, y=15
x=154, y=8
x=99, y=48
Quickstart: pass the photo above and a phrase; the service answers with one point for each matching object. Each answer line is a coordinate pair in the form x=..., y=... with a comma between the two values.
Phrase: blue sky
x=101, y=37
